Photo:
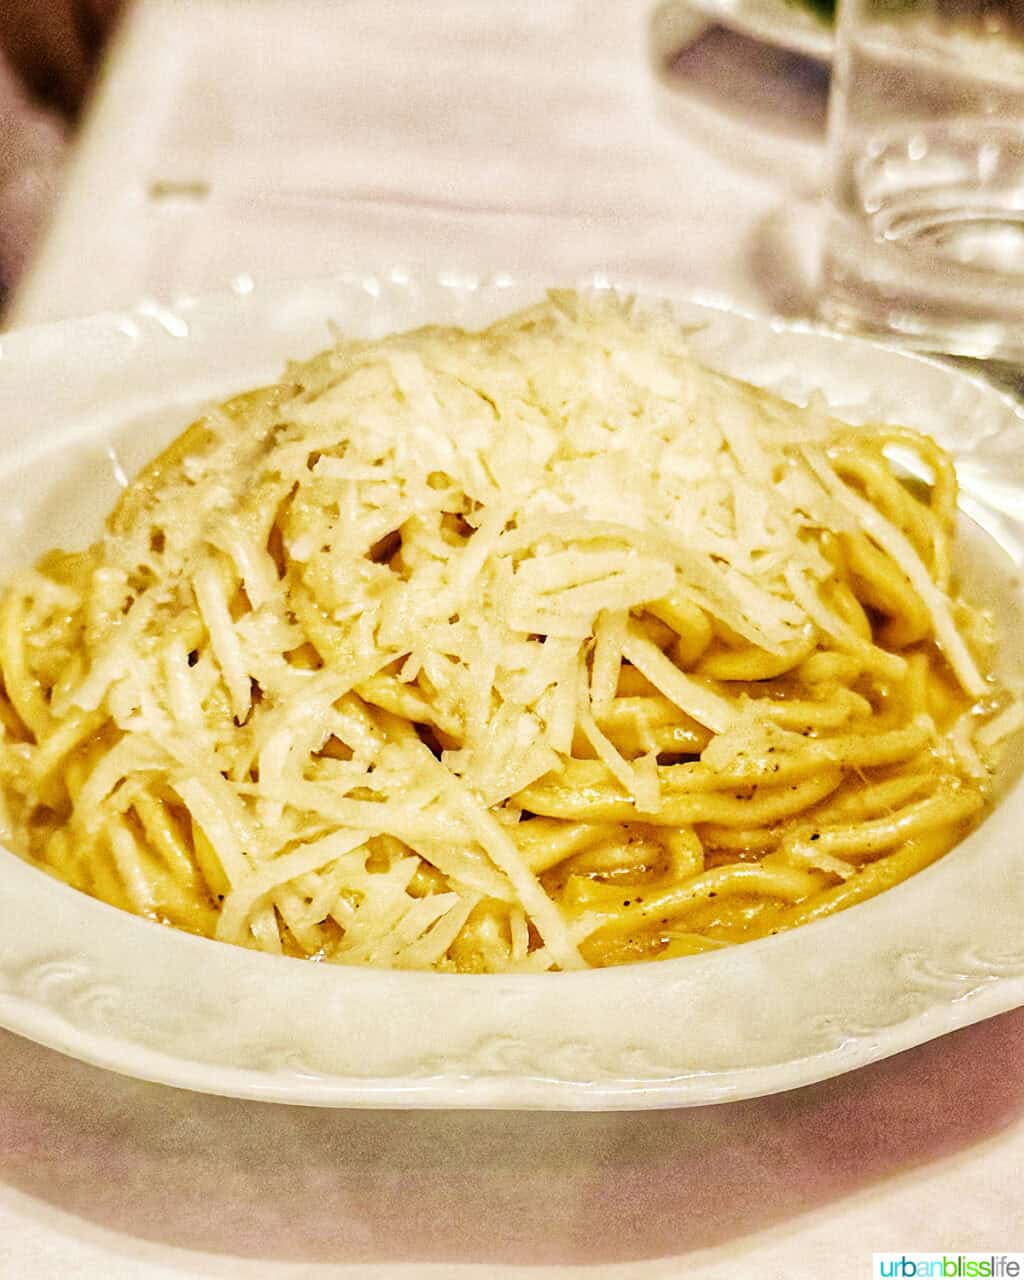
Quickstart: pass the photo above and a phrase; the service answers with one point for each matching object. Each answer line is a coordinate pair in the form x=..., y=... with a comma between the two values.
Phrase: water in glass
x=926, y=231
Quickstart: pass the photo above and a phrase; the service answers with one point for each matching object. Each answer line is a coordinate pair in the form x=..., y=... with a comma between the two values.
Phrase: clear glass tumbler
x=925, y=235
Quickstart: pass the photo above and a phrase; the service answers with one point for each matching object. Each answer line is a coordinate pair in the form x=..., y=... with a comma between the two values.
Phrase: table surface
x=284, y=138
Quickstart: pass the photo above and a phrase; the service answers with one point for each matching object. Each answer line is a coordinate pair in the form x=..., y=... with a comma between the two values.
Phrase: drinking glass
x=925, y=235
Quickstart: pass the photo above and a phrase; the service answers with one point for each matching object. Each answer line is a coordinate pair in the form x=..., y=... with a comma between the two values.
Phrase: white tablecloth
x=285, y=138
x=277, y=138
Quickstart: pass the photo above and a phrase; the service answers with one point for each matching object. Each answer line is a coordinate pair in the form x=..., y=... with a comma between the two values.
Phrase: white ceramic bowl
x=84, y=402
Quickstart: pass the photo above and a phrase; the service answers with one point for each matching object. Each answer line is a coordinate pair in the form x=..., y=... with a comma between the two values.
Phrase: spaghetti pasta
x=534, y=648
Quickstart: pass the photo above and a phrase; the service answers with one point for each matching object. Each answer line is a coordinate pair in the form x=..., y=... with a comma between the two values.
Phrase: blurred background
x=155, y=148
x=49, y=52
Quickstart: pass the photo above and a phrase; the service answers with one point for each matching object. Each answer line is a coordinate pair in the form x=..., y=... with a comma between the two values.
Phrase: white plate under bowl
x=85, y=401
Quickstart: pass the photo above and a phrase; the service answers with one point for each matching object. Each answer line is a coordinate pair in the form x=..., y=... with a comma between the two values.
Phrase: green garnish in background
x=823, y=8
